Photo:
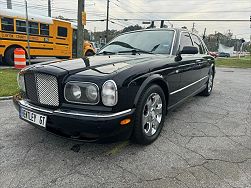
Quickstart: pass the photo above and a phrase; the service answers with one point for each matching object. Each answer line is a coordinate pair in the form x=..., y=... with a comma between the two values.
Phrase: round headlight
x=91, y=93
x=20, y=81
x=109, y=93
x=76, y=91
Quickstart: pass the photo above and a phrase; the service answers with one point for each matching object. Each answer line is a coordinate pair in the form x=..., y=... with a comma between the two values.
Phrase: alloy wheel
x=152, y=114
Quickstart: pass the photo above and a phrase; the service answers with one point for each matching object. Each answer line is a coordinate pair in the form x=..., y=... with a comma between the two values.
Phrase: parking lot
x=206, y=142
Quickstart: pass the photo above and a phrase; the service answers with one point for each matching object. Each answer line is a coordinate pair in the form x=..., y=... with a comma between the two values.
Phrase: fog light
x=125, y=121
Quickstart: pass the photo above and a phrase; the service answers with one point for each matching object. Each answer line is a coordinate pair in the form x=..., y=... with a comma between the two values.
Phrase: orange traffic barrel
x=19, y=58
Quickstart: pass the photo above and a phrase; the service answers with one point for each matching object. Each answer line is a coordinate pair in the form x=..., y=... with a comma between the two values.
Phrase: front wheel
x=89, y=53
x=149, y=116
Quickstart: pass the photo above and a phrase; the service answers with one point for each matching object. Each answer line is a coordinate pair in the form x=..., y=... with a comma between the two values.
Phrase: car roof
x=161, y=29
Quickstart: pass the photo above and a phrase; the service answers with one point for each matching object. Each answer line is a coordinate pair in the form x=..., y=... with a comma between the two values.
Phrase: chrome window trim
x=179, y=90
x=26, y=105
x=174, y=37
x=74, y=102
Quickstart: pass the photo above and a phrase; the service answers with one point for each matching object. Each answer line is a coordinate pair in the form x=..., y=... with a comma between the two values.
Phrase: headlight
x=20, y=81
x=76, y=91
x=91, y=93
x=109, y=93
x=82, y=93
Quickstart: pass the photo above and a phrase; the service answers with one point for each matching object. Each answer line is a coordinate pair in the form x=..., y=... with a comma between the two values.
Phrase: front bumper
x=82, y=126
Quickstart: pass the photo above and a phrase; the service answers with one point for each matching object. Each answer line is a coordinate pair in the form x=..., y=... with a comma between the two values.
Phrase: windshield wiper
x=135, y=51
x=106, y=53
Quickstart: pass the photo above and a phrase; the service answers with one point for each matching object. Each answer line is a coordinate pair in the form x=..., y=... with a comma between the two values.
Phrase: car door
x=203, y=60
x=187, y=68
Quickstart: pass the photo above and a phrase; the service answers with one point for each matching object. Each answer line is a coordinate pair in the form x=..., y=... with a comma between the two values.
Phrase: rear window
x=7, y=24
x=20, y=26
x=62, y=32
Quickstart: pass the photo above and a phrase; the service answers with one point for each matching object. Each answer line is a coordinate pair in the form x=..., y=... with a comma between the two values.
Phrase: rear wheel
x=150, y=115
x=210, y=83
x=9, y=56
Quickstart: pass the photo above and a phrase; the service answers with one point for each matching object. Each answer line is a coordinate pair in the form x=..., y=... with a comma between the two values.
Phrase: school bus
x=48, y=37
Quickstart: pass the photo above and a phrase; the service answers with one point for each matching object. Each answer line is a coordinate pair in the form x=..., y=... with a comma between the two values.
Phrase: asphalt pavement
x=206, y=142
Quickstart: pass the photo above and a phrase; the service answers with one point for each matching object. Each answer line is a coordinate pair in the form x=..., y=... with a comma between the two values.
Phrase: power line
x=187, y=20
x=173, y=12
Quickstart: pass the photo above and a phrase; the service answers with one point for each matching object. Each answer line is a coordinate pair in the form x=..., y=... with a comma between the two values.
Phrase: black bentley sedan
x=123, y=92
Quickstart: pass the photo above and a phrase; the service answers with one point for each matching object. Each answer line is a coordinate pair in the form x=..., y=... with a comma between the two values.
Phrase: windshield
x=158, y=42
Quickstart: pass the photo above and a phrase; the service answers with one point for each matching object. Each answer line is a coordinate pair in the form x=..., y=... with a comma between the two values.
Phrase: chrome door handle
x=198, y=61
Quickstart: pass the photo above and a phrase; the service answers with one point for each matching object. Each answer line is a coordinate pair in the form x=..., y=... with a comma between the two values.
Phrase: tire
x=210, y=83
x=9, y=56
x=145, y=131
x=89, y=53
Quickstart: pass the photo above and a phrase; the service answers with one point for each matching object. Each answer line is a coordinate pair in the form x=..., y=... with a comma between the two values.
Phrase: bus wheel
x=9, y=56
x=89, y=53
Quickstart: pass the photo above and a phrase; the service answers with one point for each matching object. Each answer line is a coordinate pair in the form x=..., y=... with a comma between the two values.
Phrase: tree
x=131, y=28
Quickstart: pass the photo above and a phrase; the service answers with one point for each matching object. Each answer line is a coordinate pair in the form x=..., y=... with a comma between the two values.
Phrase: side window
x=204, y=46
x=33, y=28
x=185, y=40
x=44, y=29
x=198, y=44
x=7, y=24
x=20, y=26
x=62, y=32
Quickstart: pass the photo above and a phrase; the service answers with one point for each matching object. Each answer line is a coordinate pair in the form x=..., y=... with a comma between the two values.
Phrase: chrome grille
x=42, y=89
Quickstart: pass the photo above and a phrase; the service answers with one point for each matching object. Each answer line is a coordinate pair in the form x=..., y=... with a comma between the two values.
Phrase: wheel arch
x=15, y=46
x=153, y=79
x=89, y=50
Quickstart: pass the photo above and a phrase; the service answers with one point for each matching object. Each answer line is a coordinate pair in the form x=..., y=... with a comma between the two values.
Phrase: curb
x=6, y=98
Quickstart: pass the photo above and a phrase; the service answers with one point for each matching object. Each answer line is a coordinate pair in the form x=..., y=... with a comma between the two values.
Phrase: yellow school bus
x=48, y=37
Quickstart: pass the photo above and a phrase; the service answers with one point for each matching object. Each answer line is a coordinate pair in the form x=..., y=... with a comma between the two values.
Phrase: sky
x=151, y=10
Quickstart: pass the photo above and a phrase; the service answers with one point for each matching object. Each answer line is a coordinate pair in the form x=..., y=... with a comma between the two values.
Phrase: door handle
x=198, y=61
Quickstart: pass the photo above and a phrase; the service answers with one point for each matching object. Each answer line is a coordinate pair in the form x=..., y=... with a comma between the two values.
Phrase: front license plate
x=32, y=117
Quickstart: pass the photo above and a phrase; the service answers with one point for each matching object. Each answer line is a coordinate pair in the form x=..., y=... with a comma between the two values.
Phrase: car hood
x=101, y=65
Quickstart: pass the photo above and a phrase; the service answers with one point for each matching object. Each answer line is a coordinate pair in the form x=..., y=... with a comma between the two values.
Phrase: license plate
x=32, y=117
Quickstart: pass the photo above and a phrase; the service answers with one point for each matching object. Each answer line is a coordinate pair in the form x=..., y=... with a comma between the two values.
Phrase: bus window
x=33, y=27
x=44, y=29
x=7, y=24
x=20, y=26
x=62, y=32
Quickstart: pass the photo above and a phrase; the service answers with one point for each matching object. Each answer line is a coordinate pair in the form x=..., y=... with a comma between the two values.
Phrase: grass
x=8, y=82
x=244, y=62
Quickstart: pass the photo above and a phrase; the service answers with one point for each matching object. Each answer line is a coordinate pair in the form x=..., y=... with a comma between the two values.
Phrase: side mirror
x=186, y=50
x=189, y=50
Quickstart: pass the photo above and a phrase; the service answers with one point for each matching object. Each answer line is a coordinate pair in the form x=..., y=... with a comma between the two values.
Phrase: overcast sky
x=153, y=9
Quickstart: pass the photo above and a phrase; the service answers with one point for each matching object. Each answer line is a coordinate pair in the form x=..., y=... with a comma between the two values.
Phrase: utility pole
x=193, y=27
x=49, y=8
x=80, y=41
x=107, y=20
x=27, y=31
x=204, y=34
x=9, y=4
